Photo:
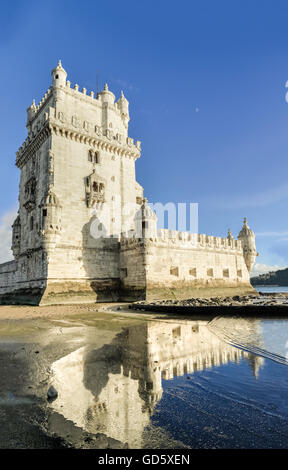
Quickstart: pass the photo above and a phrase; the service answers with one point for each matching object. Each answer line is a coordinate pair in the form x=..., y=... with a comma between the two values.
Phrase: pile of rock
x=234, y=301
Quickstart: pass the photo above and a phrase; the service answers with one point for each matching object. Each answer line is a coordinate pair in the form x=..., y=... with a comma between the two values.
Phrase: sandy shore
x=19, y=312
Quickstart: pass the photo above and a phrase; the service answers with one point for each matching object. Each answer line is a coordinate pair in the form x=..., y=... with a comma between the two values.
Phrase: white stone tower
x=77, y=171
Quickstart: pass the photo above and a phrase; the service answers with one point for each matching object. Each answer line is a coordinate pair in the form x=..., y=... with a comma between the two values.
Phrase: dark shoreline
x=264, y=304
x=247, y=310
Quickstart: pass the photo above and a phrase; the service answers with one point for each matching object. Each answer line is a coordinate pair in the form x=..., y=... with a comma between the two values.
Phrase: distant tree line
x=276, y=278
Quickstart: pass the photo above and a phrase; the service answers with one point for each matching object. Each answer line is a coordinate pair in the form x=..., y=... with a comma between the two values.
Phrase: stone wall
x=182, y=265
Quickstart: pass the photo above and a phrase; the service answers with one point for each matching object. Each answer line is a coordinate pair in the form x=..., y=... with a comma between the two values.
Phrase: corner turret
x=123, y=106
x=59, y=76
x=247, y=237
x=146, y=221
x=106, y=96
x=16, y=237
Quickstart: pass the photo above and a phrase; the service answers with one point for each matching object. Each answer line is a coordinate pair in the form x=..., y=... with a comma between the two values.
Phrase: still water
x=270, y=289
x=144, y=382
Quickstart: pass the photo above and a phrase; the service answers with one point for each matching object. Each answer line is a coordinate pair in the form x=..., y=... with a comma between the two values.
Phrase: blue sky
x=206, y=85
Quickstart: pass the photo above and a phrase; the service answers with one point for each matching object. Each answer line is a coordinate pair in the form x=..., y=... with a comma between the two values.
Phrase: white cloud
x=6, y=222
x=259, y=268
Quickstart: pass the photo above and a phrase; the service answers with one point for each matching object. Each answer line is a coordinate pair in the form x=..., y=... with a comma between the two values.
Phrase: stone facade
x=77, y=169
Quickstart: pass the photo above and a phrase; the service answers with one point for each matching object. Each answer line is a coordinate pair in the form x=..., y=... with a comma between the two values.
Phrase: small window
x=31, y=223
x=225, y=272
x=90, y=156
x=174, y=271
x=56, y=76
x=95, y=187
x=210, y=272
x=192, y=272
x=96, y=157
x=145, y=224
x=239, y=273
x=176, y=332
x=44, y=212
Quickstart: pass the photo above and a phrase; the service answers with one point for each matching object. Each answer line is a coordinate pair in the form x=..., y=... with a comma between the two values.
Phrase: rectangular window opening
x=174, y=271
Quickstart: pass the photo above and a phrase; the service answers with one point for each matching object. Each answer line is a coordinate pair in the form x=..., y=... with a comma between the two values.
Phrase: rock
x=52, y=393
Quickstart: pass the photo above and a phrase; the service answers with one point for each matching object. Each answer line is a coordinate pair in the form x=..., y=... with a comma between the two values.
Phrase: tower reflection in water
x=114, y=390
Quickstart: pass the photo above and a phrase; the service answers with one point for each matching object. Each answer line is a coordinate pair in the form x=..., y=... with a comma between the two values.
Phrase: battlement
x=84, y=132
x=198, y=240
x=186, y=240
x=80, y=94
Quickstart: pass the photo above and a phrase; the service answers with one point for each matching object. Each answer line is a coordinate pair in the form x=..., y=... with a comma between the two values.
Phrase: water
x=144, y=382
x=270, y=289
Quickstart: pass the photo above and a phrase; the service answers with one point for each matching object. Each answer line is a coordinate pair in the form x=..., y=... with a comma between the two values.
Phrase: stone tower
x=77, y=179
x=247, y=237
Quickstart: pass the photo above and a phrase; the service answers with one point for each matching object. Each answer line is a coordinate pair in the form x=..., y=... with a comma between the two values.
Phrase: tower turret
x=16, y=237
x=247, y=237
x=31, y=111
x=146, y=221
x=106, y=95
x=59, y=76
x=50, y=220
x=123, y=106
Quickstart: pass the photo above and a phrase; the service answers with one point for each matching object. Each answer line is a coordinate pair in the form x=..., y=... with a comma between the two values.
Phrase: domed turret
x=50, y=219
x=123, y=106
x=106, y=96
x=16, y=237
x=31, y=111
x=146, y=221
x=247, y=238
x=59, y=76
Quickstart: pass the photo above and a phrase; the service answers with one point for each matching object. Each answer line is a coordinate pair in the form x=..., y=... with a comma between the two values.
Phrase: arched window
x=93, y=157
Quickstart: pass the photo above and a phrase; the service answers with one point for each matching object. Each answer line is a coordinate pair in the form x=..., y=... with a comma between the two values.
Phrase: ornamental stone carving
x=95, y=189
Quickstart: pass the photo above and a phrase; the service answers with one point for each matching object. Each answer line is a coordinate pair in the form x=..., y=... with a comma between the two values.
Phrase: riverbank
x=236, y=305
x=25, y=312
x=247, y=305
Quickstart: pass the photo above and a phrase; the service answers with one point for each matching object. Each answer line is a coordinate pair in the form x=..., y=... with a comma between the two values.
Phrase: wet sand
x=193, y=389
x=25, y=312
